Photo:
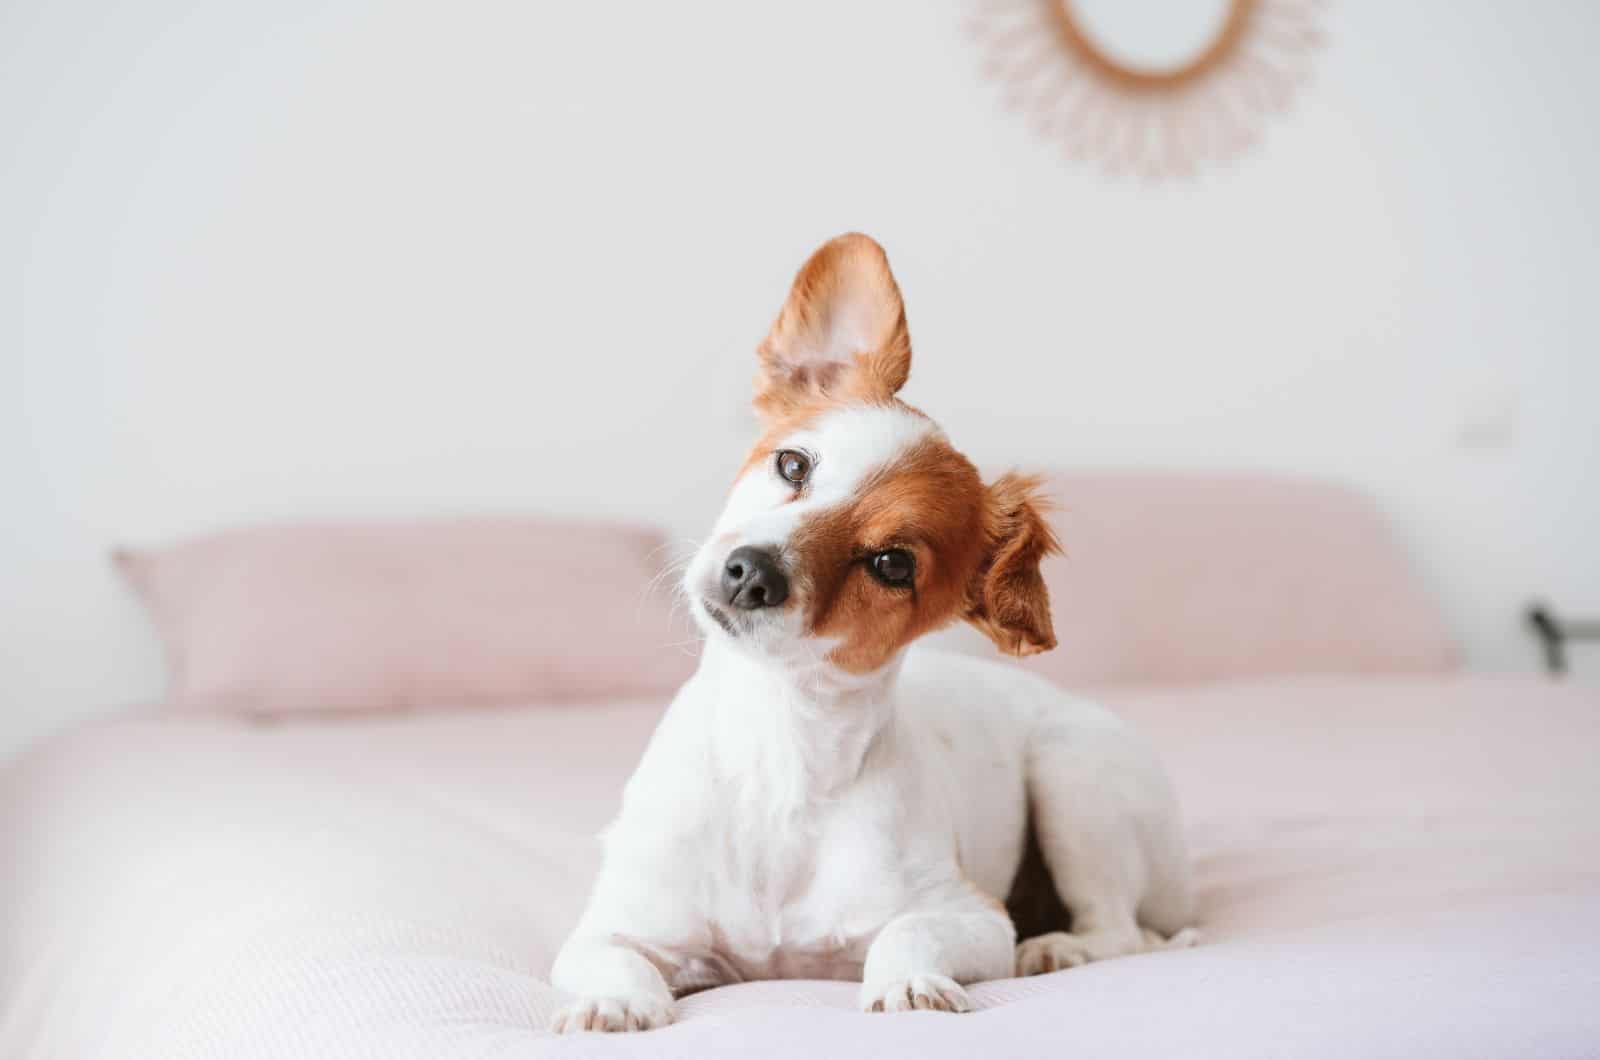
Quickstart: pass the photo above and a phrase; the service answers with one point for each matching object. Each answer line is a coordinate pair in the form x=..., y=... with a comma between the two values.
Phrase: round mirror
x=1158, y=40
x=1155, y=87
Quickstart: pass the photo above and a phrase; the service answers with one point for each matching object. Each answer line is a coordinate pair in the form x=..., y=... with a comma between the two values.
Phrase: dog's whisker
x=671, y=572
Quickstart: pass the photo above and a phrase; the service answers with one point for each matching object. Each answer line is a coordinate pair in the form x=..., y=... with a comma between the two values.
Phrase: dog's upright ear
x=842, y=332
x=1008, y=600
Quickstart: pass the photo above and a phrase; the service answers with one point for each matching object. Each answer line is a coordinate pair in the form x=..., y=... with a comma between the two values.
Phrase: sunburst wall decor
x=1151, y=121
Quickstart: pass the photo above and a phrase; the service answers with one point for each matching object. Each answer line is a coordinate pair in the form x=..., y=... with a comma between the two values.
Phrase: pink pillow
x=410, y=615
x=1180, y=578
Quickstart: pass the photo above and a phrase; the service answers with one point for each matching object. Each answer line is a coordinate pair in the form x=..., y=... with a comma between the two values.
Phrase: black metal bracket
x=1554, y=632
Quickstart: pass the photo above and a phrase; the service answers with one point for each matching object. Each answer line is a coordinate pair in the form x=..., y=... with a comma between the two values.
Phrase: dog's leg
x=618, y=988
x=919, y=960
x=1108, y=826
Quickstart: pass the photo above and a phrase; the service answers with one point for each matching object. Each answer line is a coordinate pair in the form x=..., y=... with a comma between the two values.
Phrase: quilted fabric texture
x=1386, y=868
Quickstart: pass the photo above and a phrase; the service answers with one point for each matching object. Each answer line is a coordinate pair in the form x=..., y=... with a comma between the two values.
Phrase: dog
x=820, y=802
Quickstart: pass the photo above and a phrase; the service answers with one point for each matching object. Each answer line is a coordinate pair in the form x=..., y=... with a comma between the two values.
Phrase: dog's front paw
x=1061, y=949
x=934, y=993
x=612, y=1014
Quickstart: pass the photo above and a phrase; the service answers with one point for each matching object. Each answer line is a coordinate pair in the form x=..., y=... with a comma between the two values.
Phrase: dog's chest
x=799, y=896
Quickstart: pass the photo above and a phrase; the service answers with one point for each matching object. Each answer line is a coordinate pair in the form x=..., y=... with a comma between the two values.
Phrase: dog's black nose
x=752, y=579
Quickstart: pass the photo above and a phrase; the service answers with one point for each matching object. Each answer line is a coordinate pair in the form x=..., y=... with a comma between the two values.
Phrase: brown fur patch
x=1010, y=603
x=929, y=502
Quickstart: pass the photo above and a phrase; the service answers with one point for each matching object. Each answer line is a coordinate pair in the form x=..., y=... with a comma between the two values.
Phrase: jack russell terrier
x=820, y=803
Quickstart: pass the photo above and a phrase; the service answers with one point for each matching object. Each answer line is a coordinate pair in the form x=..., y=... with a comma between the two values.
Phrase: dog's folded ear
x=1008, y=600
x=842, y=332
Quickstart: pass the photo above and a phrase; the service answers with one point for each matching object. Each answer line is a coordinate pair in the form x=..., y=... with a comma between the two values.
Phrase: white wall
x=270, y=260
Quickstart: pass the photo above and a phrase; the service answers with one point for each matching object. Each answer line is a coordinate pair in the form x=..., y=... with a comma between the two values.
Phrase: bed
x=1396, y=863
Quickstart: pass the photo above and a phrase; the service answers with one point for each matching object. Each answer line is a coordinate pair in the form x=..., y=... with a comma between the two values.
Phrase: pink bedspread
x=1397, y=868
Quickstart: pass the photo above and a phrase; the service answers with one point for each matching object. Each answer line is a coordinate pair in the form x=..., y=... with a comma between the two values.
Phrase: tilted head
x=854, y=526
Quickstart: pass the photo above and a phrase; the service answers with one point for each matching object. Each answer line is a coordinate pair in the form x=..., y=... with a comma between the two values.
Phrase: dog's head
x=854, y=526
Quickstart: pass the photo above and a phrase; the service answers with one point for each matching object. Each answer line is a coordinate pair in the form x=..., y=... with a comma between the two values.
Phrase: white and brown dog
x=818, y=802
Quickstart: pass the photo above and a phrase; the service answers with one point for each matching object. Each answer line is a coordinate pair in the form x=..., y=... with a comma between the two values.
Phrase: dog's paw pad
x=930, y=993
x=611, y=1014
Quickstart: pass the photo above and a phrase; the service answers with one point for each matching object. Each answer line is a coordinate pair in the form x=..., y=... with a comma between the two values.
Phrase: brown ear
x=842, y=332
x=1009, y=601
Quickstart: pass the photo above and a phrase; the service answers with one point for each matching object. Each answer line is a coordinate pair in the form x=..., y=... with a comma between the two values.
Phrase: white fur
x=848, y=444
x=789, y=820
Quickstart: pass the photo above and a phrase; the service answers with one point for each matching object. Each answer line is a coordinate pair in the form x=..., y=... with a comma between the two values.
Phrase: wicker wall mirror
x=1154, y=87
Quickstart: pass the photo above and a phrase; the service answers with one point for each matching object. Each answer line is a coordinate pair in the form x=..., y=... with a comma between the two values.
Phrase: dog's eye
x=793, y=466
x=893, y=567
